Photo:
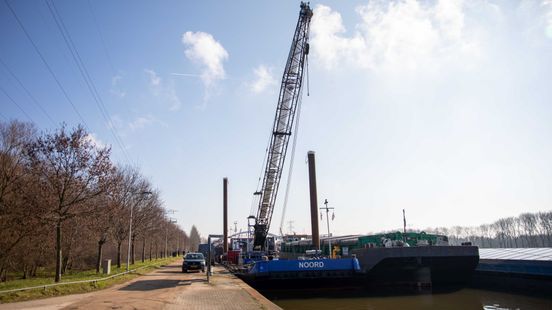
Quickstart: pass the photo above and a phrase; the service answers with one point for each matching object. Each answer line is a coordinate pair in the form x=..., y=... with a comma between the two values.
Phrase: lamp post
x=178, y=244
x=171, y=221
x=328, y=223
x=142, y=196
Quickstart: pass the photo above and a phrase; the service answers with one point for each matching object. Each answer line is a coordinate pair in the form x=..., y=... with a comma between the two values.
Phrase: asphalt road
x=165, y=288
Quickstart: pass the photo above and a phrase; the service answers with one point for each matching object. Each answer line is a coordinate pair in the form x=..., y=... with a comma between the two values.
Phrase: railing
x=95, y=281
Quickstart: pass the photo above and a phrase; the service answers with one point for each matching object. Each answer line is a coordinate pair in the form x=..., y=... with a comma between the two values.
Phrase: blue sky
x=438, y=107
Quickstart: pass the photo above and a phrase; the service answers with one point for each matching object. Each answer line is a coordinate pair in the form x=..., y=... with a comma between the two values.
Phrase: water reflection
x=452, y=299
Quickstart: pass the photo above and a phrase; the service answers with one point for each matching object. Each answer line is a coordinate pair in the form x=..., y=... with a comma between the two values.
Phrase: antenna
x=404, y=226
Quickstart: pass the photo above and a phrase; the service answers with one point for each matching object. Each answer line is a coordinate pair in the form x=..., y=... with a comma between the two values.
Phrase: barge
x=393, y=259
x=302, y=273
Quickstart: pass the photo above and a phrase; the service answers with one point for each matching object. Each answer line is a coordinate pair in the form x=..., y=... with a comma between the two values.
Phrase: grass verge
x=76, y=288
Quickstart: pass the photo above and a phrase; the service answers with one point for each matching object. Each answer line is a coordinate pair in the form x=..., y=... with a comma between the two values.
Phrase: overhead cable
x=48, y=67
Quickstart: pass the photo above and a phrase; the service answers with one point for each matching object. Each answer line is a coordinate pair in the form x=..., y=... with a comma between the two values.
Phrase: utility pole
x=171, y=221
x=328, y=223
x=178, y=244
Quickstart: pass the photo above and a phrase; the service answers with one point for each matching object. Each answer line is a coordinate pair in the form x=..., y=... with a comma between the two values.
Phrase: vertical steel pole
x=404, y=226
x=313, y=201
x=209, y=259
x=225, y=215
x=328, y=222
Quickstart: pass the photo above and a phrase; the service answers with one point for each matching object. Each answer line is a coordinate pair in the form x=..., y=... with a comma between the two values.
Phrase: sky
x=441, y=108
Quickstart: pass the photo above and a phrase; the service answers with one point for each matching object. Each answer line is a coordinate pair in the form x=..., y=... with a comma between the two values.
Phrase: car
x=193, y=261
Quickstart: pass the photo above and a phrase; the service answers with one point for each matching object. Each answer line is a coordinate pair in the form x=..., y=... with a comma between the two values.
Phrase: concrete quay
x=164, y=288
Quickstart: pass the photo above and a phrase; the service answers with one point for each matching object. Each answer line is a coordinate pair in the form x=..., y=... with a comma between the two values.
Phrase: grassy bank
x=48, y=278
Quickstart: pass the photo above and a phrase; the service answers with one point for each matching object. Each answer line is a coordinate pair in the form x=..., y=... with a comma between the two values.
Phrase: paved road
x=165, y=288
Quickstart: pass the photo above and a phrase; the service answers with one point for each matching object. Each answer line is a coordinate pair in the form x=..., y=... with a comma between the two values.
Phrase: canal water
x=465, y=298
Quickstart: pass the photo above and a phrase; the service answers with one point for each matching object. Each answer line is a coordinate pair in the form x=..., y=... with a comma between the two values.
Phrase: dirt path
x=165, y=288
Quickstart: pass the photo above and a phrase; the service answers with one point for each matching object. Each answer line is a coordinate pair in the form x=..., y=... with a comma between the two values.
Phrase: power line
x=27, y=91
x=106, y=51
x=46, y=64
x=14, y=102
x=85, y=74
x=102, y=40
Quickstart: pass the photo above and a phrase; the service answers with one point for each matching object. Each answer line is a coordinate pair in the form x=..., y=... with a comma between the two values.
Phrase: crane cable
x=255, y=200
x=288, y=185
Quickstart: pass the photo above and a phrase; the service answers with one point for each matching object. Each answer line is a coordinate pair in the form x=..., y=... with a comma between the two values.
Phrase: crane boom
x=290, y=93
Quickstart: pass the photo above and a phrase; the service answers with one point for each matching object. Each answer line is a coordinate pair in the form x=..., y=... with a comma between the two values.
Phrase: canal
x=465, y=298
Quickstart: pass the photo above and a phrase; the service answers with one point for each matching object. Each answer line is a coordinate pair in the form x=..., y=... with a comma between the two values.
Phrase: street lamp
x=143, y=195
x=328, y=223
x=171, y=221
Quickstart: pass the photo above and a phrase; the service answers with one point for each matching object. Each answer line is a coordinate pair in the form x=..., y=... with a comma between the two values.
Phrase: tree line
x=65, y=205
x=528, y=230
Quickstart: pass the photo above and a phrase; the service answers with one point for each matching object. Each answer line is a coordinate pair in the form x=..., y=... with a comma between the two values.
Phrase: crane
x=289, y=96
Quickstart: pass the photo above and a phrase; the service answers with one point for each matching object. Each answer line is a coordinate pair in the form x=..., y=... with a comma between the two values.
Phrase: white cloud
x=402, y=34
x=264, y=79
x=93, y=139
x=115, y=122
x=204, y=50
x=115, y=80
x=143, y=121
x=154, y=79
x=140, y=122
x=115, y=89
x=163, y=90
x=547, y=4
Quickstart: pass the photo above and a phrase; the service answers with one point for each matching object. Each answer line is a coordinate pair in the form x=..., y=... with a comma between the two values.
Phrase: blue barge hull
x=297, y=268
x=301, y=273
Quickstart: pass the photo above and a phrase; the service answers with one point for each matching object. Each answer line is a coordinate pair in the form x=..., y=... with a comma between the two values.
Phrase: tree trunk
x=118, y=254
x=143, y=249
x=132, y=251
x=99, y=260
x=58, y=251
x=150, y=246
x=156, y=251
x=65, y=264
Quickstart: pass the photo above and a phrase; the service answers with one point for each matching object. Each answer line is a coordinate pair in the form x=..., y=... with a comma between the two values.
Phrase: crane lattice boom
x=290, y=93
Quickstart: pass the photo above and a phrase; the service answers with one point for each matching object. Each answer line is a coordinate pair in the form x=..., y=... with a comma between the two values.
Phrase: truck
x=204, y=249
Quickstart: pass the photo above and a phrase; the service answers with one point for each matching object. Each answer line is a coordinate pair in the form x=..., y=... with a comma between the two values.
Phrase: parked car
x=193, y=261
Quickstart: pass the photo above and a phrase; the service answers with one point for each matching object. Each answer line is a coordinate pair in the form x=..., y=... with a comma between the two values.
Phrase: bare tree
x=72, y=171
x=17, y=212
x=529, y=224
x=545, y=222
x=64, y=180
